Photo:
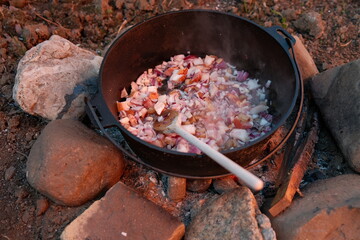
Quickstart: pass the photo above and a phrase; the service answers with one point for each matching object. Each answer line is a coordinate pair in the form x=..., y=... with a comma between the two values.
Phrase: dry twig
x=48, y=21
x=122, y=26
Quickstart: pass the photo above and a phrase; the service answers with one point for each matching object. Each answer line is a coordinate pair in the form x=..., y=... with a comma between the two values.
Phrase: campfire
x=105, y=167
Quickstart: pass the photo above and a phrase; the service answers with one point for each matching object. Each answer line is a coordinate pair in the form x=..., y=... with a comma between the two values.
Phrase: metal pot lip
x=260, y=28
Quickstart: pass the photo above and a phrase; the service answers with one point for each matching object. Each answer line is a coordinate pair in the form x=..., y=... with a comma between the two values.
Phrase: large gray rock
x=233, y=215
x=329, y=210
x=124, y=214
x=337, y=94
x=54, y=77
x=71, y=164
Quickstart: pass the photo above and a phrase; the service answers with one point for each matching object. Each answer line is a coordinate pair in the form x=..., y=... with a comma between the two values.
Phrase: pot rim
x=261, y=28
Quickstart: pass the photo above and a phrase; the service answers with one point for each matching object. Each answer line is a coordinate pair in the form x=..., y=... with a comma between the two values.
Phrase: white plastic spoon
x=171, y=124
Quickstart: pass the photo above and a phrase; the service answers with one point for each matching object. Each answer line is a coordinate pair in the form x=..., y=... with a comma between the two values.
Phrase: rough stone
x=71, y=164
x=124, y=214
x=330, y=209
x=54, y=77
x=16, y=46
x=289, y=14
x=232, y=215
x=103, y=6
x=9, y=173
x=6, y=91
x=225, y=184
x=32, y=34
x=14, y=122
x=265, y=227
x=312, y=23
x=18, y=3
x=176, y=188
x=304, y=60
x=21, y=193
x=198, y=185
x=337, y=94
x=144, y=5
x=42, y=204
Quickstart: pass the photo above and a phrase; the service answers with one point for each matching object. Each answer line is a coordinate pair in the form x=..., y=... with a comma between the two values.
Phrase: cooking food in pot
x=220, y=105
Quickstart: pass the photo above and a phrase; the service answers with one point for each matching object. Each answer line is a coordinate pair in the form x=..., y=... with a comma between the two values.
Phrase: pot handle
x=96, y=109
x=96, y=121
x=290, y=42
x=282, y=36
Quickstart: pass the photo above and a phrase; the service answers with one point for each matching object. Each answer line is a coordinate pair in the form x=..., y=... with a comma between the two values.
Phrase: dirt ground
x=93, y=25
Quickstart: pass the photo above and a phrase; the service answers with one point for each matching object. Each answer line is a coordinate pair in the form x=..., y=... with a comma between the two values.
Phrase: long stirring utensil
x=170, y=124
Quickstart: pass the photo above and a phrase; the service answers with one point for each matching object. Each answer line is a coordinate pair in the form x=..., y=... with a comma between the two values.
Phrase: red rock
x=42, y=204
x=198, y=185
x=176, y=188
x=18, y=3
x=71, y=164
x=225, y=184
x=330, y=209
x=124, y=214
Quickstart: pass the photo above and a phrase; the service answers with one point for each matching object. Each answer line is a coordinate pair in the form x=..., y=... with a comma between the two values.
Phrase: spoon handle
x=243, y=175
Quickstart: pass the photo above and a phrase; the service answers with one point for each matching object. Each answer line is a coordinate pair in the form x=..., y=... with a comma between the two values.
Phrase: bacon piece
x=168, y=72
x=122, y=106
x=153, y=95
x=148, y=103
x=242, y=124
x=195, y=78
x=132, y=120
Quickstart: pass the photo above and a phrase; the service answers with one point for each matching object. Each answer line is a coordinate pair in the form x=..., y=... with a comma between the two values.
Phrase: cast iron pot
x=263, y=52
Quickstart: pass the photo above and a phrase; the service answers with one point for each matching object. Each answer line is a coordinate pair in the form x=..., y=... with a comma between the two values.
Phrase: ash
x=327, y=161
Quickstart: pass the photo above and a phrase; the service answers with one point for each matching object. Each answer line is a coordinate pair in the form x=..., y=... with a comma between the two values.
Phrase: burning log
x=295, y=171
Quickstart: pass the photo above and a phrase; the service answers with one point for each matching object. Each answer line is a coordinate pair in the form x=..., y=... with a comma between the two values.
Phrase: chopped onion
x=220, y=105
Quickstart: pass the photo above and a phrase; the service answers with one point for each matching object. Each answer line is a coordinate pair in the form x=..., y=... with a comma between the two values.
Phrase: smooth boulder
x=71, y=164
x=330, y=209
x=54, y=78
x=337, y=94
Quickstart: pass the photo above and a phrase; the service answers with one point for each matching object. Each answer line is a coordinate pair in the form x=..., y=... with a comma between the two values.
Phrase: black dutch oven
x=263, y=52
